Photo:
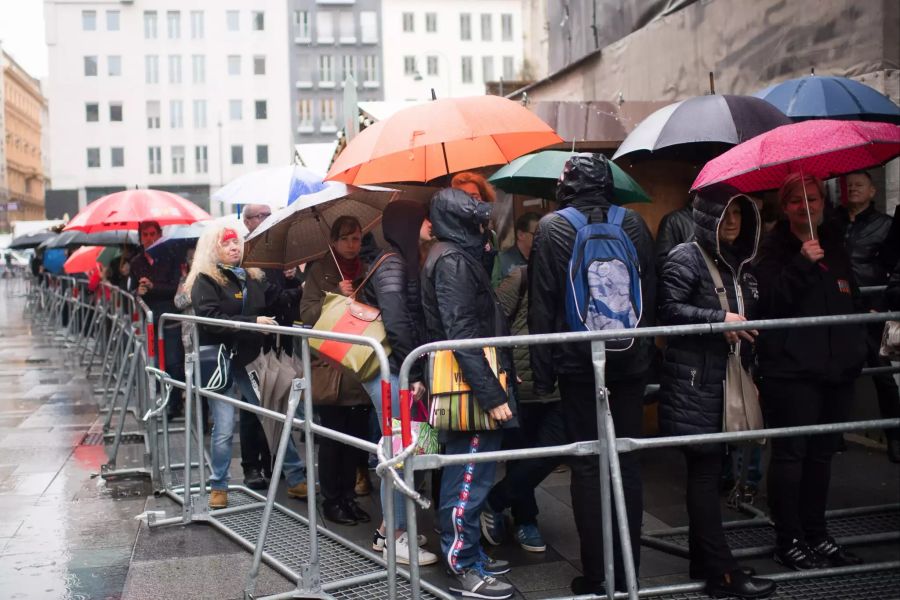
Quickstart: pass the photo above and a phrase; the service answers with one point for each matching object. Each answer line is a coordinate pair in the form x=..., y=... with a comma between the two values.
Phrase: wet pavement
x=65, y=533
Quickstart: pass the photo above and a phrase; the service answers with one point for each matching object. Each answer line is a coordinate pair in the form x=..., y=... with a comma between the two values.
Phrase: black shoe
x=835, y=554
x=254, y=479
x=800, y=557
x=581, y=586
x=893, y=449
x=695, y=573
x=336, y=512
x=739, y=584
x=354, y=509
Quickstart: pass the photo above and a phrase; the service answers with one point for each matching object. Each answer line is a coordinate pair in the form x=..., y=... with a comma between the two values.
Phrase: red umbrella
x=126, y=210
x=85, y=259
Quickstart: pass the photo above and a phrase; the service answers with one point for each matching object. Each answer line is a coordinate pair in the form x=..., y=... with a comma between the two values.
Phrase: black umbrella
x=31, y=240
x=101, y=238
x=701, y=128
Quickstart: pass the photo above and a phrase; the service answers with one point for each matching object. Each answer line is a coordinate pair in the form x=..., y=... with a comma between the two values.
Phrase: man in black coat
x=586, y=184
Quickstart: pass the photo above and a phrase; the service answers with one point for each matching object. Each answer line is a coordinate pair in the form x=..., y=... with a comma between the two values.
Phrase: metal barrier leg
x=310, y=577
x=621, y=512
x=132, y=372
x=412, y=530
x=598, y=358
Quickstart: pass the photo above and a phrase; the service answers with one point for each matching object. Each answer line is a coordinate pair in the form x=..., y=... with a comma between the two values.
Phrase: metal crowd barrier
x=608, y=447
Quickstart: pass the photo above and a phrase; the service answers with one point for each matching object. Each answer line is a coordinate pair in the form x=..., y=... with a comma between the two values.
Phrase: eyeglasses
x=259, y=216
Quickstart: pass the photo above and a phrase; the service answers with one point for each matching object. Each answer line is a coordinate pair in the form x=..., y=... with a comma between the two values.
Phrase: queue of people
x=440, y=277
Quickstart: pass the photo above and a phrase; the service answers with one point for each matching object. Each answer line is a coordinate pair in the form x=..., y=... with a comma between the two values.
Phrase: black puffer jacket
x=865, y=238
x=791, y=286
x=674, y=228
x=457, y=297
x=586, y=184
x=693, y=366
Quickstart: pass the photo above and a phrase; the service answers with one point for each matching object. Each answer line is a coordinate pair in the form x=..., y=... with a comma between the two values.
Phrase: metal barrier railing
x=608, y=447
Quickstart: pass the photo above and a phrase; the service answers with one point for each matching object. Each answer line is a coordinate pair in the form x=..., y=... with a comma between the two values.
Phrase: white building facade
x=452, y=46
x=178, y=95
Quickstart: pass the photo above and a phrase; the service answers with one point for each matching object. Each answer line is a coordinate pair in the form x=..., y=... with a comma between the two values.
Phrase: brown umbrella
x=273, y=372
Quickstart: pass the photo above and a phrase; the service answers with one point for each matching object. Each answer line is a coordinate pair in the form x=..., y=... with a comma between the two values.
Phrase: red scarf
x=350, y=268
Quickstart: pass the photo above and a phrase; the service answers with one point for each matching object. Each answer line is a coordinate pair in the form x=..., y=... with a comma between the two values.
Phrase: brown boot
x=298, y=491
x=363, y=485
x=218, y=499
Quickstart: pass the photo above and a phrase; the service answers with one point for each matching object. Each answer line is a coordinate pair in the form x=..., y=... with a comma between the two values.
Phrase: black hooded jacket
x=457, y=297
x=865, y=238
x=394, y=286
x=791, y=286
x=693, y=366
x=586, y=184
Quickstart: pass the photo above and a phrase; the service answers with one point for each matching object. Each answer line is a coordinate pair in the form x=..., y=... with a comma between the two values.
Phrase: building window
x=409, y=22
x=174, y=68
x=432, y=65
x=201, y=159
x=150, y=24
x=237, y=155
x=114, y=65
x=115, y=112
x=368, y=25
x=90, y=66
x=465, y=26
x=509, y=70
x=259, y=65
x=197, y=25
x=198, y=68
x=324, y=27
x=92, y=112
x=89, y=20
x=233, y=20
x=151, y=69
x=234, y=64
x=347, y=27
x=112, y=21
x=487, y=27
x=117, y=156
x=326, y=70
x=235, y=110
x=409, y=65
x=328, y=121
x=93, y=158
x=258, y=20
x=506, y=27
x=370, y=69
x=154, y=154
x=304, y=70
x=431, y=22
x=173, y=20
x=348, y=67
x=301, y=26
x=467, y=69
x=261, y=110
x=304, y=113
x=176, y=114
x=199, y=114
x=153, y=114
x=487, y=68
x=262, y=154
x=177, y=159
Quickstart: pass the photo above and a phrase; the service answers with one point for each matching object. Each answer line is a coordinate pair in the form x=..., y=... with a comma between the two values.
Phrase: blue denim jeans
x=223, y=432
x=373, y=387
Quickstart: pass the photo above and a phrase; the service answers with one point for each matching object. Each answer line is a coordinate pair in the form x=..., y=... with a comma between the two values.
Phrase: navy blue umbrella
x=817, y=97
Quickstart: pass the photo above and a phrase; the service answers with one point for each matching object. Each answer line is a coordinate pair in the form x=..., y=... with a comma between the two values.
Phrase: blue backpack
x=603, y=288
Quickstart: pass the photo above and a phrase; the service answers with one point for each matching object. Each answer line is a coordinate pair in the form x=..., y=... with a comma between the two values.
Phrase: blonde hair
x=206, y=257
x=486, y=189
x=797, y=182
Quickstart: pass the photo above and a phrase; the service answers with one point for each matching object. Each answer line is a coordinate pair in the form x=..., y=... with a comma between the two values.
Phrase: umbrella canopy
x=430, y=140
x=113, y=237
x=277, y=186
x=299, y=233
x=30, y=240
x=86, y=258
x=537, y=175
x=701, y=127
x=815, y=97
x=821, y=148
x=177, y=239
x=126, y=210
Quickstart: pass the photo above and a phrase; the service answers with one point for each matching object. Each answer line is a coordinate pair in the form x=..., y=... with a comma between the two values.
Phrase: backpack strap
x=615, y=215
x=574, y=216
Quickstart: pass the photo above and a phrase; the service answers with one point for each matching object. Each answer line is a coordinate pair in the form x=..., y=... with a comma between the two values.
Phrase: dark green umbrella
x=536, y=175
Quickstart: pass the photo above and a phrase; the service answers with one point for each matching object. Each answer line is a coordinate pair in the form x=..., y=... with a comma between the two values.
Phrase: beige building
x=21, y=165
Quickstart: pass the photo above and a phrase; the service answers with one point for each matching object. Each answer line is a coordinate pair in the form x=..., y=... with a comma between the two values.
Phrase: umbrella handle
x=812, y=230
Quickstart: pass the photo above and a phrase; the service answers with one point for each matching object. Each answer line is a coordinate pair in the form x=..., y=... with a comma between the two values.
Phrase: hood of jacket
x=709, y=209
x=400, y=223
x=457, y=217
x=586, y=180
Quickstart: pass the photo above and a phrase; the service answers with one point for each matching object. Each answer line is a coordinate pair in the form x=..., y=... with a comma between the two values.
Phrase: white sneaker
x=402, y=546
x=378, y=541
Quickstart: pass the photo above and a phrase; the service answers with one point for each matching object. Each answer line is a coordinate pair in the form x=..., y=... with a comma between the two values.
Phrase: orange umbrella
x=86, y=258
x=445, y=136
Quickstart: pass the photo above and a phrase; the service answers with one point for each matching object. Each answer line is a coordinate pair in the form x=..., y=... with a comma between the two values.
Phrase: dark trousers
x=885, y=386
x=709, y=552
x=254, y=446
x=540, y=424
x=464, y=490
x=580, y=408
x=338, y=461
x=800, y=467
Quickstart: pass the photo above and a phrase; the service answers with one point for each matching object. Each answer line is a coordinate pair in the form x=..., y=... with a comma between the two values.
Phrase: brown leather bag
x=326, y=382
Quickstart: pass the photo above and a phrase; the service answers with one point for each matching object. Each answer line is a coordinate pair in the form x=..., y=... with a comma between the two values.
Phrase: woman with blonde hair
x=221, y=289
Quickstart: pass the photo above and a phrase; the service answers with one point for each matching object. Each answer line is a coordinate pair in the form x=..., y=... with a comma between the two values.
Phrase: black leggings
x=338, y=461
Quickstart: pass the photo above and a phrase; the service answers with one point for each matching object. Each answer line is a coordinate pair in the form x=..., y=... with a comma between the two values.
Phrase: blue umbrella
x=816, y=97
x=275, y=186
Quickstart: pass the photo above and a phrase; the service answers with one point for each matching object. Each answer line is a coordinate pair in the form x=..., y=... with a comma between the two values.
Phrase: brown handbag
x=326, y=382
x=741, y=411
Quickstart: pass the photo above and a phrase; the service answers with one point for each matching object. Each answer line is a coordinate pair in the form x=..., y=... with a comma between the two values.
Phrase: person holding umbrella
x=806, y=376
